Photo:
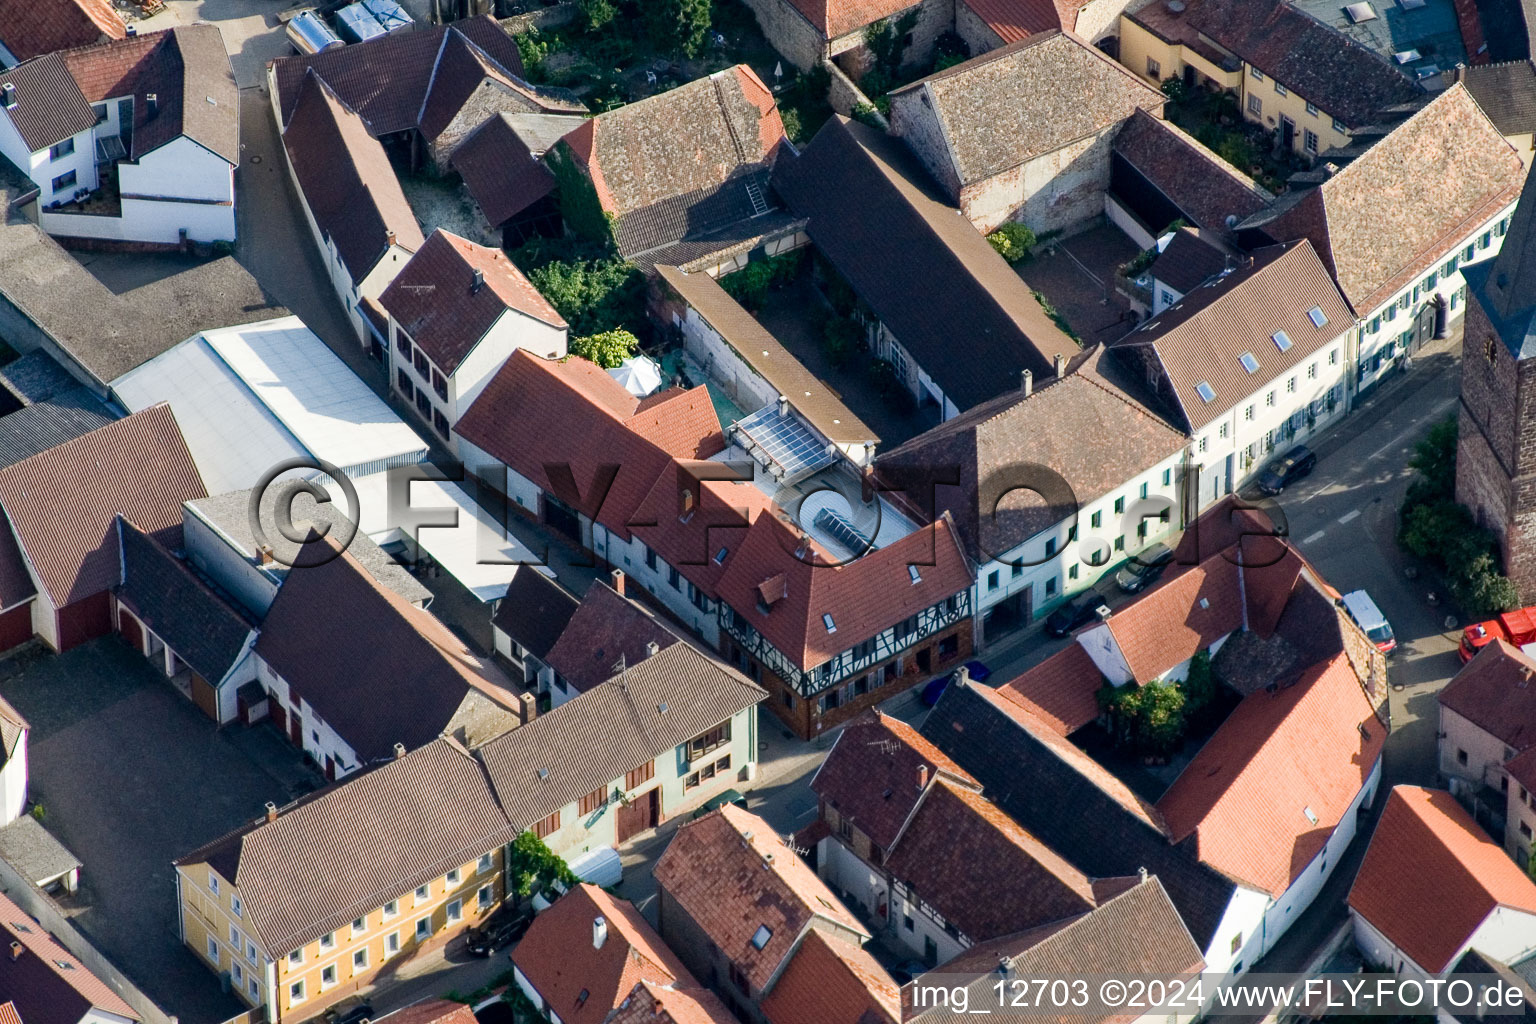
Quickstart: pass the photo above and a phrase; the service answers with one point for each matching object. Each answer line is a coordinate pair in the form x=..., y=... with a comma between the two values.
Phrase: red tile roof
x=1265, y=793
x=47, y=984
x=954, y=830
x=692, y=543
x=1493, y=691
x=830, y=981
x=864, y=596
x=650, y=1003
x=1431, y=876
x=499, y=172
x=435, y=299
x=1062, y=690
x=581, y=983
x=1013, y=20
x=430, y=1011
x=871, y=775
x=835, y=18
x=732, y=875
x=64, y=502
x=1167, y=624
x=608, y=452
x=31, y=28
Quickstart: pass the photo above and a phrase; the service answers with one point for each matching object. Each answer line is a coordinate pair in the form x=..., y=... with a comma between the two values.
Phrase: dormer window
x=826, y=620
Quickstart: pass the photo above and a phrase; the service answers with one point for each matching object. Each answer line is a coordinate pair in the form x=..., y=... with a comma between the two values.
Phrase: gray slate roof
x=1506, y=92
x=33, y=851
x=535, y=610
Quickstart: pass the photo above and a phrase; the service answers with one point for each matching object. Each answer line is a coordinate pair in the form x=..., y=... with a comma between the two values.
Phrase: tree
x=1434, y=459
x=593, y=295
x=1149, y=719
x=1481, y=590
x=679, y=26
x=1199, y=687
x=532, y=867
x=596, y=13
x=1013, y=241
x=608, y=349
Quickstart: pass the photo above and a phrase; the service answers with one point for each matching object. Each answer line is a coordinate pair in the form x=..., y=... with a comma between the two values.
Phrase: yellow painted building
x=300, y=909
x=1158, y=44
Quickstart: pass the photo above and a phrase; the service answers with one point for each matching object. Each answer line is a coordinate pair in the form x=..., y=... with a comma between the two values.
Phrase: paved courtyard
x=1076, y=276
x=131, y=775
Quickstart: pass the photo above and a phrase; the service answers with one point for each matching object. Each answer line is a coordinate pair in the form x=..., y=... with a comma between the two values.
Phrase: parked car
x=730, y=796
x=360, y=1013
x=500, y=930
x=1074, y=613
x=1517, y=627
x=1369, y=618
x=1287, y=469
x=1144, y=569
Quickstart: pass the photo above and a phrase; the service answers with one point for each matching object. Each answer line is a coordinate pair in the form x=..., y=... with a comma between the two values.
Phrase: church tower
x=1496, y=450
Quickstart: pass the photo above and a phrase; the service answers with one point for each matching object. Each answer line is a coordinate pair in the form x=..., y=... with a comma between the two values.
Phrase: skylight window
x=1311, y=814
x=826, y=620
x=761, y=936
x=720, y=555
x=1317, y=316
x=1249, y=362
x=1205, y=391
x=1282, y=342
x=916, y=576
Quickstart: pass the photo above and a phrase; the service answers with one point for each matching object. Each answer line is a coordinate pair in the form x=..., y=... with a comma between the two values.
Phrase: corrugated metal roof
x=43, y=425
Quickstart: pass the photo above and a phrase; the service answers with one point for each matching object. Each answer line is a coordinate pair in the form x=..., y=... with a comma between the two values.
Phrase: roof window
x=1205, y=391
x=1317, y=316
x=1249, y=362
x=761, y=936
x=1282, y=342
x=912, y=572
x=826, y=620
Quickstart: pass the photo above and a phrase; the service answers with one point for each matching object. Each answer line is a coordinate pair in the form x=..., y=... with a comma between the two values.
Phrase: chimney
x=651, y=649
x=264, y=555
x=271, y=811
x=783, y=406
x=389, y=237
x=922, y=777
x=1027, y=382
x=16, y=950
x=1061, y=366
x=1141, y=873
x=10, y=96
x=152, y=103
x=616, y=579
x=477, y=282
x=399, y=751
x=803, y=546
x=599, y=931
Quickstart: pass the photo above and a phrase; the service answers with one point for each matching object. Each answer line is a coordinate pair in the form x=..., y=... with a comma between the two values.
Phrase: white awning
x=477, y=552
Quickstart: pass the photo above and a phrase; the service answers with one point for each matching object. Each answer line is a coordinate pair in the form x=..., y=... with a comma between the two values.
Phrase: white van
x=1369, y=618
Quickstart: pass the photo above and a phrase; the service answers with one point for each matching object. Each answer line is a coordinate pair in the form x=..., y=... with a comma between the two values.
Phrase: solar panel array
x=786, y=441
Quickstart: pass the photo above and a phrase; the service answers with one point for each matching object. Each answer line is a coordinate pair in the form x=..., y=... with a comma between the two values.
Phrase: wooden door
x=132, y=632
x=641, y=813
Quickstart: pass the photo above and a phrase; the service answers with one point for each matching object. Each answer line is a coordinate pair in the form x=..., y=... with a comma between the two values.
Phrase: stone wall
x=796, y=39
x=914, y=121
x=1053, y=192
x=844, y=96
x=543, y=19
x=978, y=35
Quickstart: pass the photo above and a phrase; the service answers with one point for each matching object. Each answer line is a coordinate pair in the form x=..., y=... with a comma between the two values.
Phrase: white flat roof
x=477, y=552
x=249, y=397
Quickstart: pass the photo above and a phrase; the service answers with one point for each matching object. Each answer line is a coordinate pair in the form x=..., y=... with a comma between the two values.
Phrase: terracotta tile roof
x=435, y=299
x=47, y=984
x=32, y=28
x=865, y=596
x=683, y=162
x=604, y=629
x=1493, y=691
x=8, y=1013
x=1136, y=934
x=609, y=452
x=954, y=830
x=1014, y=20
x=870, y=776
x=691, y=544
x=502, y=176
x=49, y=105
x=596, y=737
x=534, y=611
x=355, y=846
x=1505, y=92
x=430, y=1011
x=1400, y=207
x=649, y=1003
x=1427, y=845
x=1032, y=773
x=981, y=450
x=1228, y=523
x=1006, y=107
x=921, y=266
x=1522, y=768
x=1062, y=690
x=834, y=18
x=203, y=627
x=819, y=404
x=1345, y=79
x=1200, y=339
x=387, y=81
x=462, y=70
x=347, y=180
x=1167, y=624
x=378, y=670
x=64, y=503
x=1264, y=794
x=1150, y=153
x=732, y=875
x=831, y=981
x=584, y=984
